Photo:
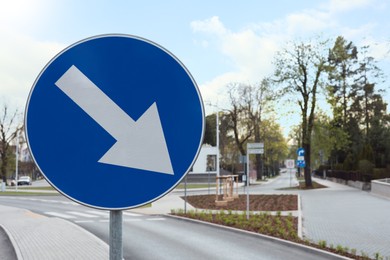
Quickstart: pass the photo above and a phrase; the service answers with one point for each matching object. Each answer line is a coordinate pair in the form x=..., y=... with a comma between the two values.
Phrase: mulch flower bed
x=256, y=202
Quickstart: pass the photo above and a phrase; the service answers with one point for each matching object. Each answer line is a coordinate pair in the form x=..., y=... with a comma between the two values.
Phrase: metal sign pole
x=185, y=195
x=17, y=160
x=116, y=243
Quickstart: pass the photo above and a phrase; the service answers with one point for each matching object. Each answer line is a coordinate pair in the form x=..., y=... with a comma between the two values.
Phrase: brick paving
x=349, y=217
x=36, y=237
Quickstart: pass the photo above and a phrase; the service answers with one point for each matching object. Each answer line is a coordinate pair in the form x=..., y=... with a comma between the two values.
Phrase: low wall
x=381, y=187
x=360, y=185
x=200, y=178
x=355, y=184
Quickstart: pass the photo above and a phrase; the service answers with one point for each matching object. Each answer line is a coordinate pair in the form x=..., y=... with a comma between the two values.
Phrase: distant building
x=207, y=160
x=25, y=155
x=204, y=169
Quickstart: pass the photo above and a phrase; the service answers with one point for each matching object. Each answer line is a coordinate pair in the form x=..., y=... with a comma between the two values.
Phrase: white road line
x=84, y=221
x=132, y=219
x=60, y=215
x=132, y=214
x=155, y=219
x=44, y=200
x=81, y=214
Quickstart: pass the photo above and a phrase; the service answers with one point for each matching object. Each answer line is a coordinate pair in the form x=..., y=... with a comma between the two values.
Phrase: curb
x=300, y=222
x=13, y=242
x=269, y=238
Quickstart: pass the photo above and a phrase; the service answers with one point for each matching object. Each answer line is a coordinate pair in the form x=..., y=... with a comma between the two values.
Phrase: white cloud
x=22, y=58
x=212, y=25
x=346, y=5
x=250, y=51
x=357, y=33
x=310, y=21
x=379, y=50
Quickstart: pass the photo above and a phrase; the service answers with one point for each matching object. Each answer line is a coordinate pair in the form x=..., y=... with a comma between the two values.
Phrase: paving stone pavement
x=36, y=237
x=342, y=215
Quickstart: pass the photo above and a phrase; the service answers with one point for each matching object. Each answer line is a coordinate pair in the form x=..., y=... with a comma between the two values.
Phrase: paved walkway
x=342, y=215
x=36, y=237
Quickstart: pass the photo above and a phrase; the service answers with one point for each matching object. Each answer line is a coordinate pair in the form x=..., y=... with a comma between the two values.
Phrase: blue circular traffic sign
x=114, y=121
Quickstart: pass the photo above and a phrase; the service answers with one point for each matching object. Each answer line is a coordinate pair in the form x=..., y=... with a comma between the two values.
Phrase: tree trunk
x=307, y=173
x=258, y=156
x=4, y=165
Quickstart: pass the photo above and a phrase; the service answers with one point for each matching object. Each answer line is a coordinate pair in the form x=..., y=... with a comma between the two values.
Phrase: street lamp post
x=17, y=160
x=217, y=143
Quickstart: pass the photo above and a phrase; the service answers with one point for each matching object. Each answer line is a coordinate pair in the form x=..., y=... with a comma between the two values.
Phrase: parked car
x=24, y=180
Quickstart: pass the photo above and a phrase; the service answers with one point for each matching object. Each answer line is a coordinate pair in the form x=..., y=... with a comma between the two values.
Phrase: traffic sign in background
x=114, y=121
x=301, y=158
x=290, y=164
x=301, y=164
x=255, y=148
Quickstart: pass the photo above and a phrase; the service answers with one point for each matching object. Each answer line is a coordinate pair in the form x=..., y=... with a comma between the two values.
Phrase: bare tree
x=9, y=126
x=239, y=121
x=249, y=103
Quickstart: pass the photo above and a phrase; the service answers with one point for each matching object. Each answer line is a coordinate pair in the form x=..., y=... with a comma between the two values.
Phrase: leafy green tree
x=341, y=71
x=275, y=145
x=300, y=69
x=325, y=138
x=367, y=100
x=294, y=140
x=210, y=131
x=358, y=107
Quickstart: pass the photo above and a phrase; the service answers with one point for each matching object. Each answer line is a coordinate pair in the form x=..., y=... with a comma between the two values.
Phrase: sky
x=219, y=41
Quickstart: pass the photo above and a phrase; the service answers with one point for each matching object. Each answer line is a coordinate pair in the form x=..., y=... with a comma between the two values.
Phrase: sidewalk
x=342, y=215
x=36, y=237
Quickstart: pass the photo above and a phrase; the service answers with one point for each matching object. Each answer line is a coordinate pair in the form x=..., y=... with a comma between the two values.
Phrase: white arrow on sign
x=139, y=144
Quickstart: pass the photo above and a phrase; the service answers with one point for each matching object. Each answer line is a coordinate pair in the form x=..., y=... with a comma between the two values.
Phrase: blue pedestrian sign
x=114, y=121
x=301, y=164
x=301, y=158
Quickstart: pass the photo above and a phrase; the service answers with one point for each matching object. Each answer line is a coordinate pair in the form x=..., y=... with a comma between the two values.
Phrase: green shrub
x=339, y=249
x=366, y=167
x=322, y=243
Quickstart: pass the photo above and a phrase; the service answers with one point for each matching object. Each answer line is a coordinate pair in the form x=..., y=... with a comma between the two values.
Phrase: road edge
x=270, y=238
x=13, y=242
